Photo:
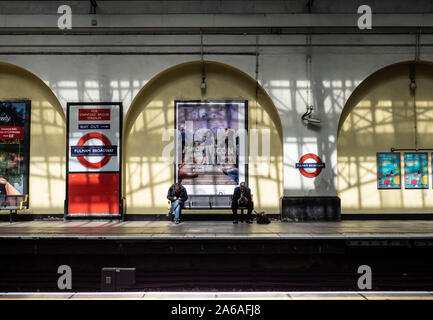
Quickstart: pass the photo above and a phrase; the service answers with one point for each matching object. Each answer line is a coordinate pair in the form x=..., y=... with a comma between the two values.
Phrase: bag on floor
x=262, y=218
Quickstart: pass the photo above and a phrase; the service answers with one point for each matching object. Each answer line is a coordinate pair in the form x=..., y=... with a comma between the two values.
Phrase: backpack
x=262, y=218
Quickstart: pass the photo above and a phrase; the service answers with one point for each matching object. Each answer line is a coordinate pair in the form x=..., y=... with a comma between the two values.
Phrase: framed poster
x=14, y=151
x=416, y=170
x=94, y=159
x=388, y=170
x=211, y=145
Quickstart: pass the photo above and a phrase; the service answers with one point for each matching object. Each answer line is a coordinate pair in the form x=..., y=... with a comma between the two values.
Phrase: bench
x=209, y=202
x=13, y=203
x=201, y=202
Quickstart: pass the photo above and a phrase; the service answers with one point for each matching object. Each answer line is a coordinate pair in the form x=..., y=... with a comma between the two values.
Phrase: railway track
x=221, y=273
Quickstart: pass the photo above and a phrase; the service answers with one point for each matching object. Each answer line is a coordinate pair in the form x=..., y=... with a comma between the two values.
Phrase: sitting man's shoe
x=249, y=221
x=170, y=216
x=235, y=221
x=176, y=221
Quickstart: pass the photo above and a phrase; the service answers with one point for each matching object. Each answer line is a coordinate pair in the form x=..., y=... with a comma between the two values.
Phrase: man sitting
x=242, y=199
x=177, y=195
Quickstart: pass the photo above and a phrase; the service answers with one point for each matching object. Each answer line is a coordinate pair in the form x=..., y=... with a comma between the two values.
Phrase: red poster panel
x=94, y=115
x=93, y=193
x=12, y=133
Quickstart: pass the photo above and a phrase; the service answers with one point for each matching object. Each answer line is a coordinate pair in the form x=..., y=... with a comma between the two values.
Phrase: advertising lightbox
x=211, y=153
x=94, y=159
x=14, y=151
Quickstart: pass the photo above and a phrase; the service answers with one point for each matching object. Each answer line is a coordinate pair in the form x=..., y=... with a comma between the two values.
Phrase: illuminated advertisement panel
x=14, y=151
x=211, y=145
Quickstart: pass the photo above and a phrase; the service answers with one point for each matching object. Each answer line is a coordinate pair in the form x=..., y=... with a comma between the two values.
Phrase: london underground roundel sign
x=317, y=164
x=105, y=141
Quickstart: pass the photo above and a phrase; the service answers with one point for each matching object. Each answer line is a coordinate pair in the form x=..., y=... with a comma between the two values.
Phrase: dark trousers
x=248, y=206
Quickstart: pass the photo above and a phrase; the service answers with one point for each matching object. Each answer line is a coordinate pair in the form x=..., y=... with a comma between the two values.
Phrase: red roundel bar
x=87, y=137
x=310, y=174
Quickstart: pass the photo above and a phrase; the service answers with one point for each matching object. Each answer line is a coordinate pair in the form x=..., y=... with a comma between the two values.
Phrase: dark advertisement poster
x=212, y=158
x=14, y=150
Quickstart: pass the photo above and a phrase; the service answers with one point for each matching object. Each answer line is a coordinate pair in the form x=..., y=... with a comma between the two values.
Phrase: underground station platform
x=250, y=296
x=217, y=257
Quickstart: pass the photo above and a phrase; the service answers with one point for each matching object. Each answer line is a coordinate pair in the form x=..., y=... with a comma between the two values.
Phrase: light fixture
x=203, y=82
x=203, y=73
x=308, y=119
x=93, y=6
x=412, y=85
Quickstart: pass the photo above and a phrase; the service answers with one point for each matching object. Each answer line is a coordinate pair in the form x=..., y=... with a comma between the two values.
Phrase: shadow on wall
x=147, y=176
x=287, y=89
x=291, y=98
x=380, y=115
x=47, y=138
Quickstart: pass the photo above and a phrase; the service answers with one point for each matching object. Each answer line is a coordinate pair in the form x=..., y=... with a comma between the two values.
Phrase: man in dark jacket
x=242, y=199
x=177, y=195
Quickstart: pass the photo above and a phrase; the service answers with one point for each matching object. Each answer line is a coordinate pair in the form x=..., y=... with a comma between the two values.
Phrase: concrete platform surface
x=217, y=230
x=318, y=295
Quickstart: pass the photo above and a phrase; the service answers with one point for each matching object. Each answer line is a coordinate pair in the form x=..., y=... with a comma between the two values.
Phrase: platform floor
x=343, y=295
x=217, y=230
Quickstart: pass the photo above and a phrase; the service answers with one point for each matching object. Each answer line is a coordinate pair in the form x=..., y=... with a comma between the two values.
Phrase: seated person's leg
x=235, y=210
x=250, y=211
x=177, y=211
x=172, y=207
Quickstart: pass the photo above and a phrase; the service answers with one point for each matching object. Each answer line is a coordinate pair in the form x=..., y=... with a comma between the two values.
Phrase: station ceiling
x=216, y=6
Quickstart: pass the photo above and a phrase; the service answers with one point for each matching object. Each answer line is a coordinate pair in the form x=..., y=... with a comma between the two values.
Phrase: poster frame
x=405, y=171
x=377, y=171
x=245, y=101
x=27, y=139
x=120, y=155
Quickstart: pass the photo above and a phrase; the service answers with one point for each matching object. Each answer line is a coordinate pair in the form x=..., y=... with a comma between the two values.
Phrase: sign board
x=317, y=165
x=14, y=151
x=94, y=159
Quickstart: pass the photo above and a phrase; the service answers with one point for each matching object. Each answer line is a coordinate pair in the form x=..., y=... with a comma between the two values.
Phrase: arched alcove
x=378, y=116
x=147, y=177
x=47, y=137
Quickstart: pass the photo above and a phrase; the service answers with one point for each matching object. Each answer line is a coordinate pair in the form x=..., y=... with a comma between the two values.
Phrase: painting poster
x=416, y=170
x=211, y=151
x=388, y=170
